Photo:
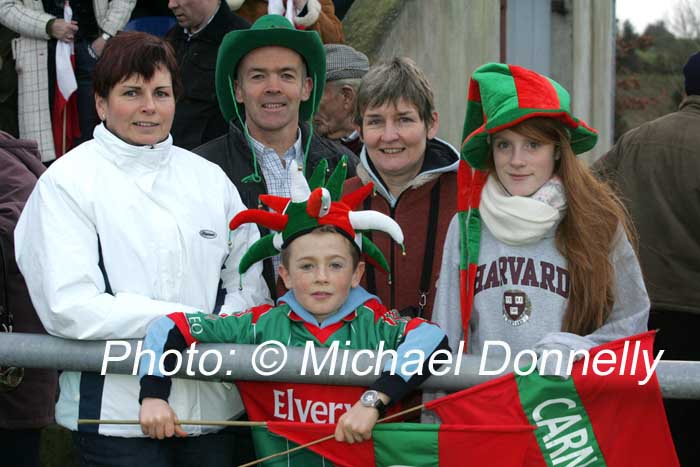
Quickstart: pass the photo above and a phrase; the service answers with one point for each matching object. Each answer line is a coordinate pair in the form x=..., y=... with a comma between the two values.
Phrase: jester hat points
x=501, y=96
x=313, y=204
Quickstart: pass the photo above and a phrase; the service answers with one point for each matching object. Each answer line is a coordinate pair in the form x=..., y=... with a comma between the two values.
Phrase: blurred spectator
x=656, y=167
x=345, y=68
x=317, y=15
x=27, y=407
x=342, y=7
x=202, y=25
x=8, y=83
x=40, y=25
x=150, y=8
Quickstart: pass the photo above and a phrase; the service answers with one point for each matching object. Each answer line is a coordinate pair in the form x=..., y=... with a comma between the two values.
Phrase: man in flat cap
x=345, y=68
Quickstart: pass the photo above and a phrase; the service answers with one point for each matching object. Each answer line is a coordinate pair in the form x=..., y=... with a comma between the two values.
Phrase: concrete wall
x=448, y=39
x=561, y=51
x=528, y=37
x=593, y=93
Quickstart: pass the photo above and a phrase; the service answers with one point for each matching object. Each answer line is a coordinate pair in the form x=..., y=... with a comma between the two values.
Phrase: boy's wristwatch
x=370, y=398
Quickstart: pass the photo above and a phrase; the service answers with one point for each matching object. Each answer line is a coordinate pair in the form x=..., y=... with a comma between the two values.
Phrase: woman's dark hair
x=134, y=53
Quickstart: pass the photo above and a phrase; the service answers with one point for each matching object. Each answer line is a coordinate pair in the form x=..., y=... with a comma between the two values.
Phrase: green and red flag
x=589, y=419
x=404, y=444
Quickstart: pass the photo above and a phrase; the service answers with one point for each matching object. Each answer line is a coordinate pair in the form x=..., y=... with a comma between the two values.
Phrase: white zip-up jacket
x=160, y=214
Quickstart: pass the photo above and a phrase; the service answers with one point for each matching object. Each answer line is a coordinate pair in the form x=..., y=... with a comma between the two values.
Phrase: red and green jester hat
x=312, y=205
x=500, y=97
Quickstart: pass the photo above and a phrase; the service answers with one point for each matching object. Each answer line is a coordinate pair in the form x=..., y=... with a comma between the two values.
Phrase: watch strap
x=381, y=408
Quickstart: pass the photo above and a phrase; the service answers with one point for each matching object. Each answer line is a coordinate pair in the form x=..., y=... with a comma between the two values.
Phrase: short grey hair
x=389, y=82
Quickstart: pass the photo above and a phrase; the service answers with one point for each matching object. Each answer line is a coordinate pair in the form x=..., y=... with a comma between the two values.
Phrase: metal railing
x=231, y=362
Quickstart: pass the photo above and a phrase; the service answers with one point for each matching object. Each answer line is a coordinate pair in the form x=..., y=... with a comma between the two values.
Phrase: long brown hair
x=587, y=231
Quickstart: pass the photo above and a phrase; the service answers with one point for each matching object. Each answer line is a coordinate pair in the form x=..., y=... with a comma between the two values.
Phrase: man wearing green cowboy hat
x=269, y=82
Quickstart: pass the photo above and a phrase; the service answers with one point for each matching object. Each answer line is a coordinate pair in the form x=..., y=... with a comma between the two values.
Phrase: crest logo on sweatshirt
x=208, y=234
x=516, y=307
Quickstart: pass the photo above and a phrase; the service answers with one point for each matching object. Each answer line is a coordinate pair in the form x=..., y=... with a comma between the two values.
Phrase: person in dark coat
x=201, y=26
x=655, y=167
x=27, y=407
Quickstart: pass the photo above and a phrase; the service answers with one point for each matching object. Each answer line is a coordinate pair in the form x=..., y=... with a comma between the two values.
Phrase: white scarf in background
x=519, y=220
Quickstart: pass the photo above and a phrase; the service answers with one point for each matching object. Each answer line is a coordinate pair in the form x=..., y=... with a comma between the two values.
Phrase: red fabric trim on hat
x=338, y=217
x=563, y=116
x=534, y=90
x=591, y=129
x=464, y=181
x=470, y=279
x=474, y=94
x=466, y=313
x=353, y=200
x=475, y=132
x=375, y=264
x=478, y=181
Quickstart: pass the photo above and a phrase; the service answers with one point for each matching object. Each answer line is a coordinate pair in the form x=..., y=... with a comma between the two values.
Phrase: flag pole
x=91, y=421
x=326, y=438
x=64, y=130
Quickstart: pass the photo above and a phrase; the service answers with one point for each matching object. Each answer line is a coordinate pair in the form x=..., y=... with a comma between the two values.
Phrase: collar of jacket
x=356, y=297
x=440, y=157
x=240, y=140
x=130, y=158
x=690, y=103
x=217, y=28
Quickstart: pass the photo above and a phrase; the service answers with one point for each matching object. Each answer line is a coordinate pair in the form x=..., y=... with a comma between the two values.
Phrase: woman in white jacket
x=124, y=229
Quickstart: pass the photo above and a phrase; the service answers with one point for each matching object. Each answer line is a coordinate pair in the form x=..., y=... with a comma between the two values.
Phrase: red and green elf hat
x=500, y=97
x=312, y=205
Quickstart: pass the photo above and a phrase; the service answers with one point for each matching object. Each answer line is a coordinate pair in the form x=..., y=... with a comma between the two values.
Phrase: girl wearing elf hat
x=539, y=254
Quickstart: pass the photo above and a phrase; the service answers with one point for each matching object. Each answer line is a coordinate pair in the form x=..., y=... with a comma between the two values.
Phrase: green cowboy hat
x=501, y=96
x=269, y=30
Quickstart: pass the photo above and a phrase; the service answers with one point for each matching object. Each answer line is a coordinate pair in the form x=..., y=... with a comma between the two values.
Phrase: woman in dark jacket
x=415, y=178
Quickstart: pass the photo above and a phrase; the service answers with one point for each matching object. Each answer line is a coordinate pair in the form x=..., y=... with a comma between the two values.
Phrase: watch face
x=369, y=398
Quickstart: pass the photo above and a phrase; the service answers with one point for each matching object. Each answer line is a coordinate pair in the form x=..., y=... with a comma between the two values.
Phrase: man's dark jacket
x=232, y=153
x=31, y=404
x=656, y=168
x=197, y=115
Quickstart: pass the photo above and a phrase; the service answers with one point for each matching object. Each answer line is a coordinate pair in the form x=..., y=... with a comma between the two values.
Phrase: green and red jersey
x=361, y=323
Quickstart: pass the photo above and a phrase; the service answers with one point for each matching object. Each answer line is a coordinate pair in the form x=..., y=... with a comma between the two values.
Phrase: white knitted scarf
x=519, y=220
